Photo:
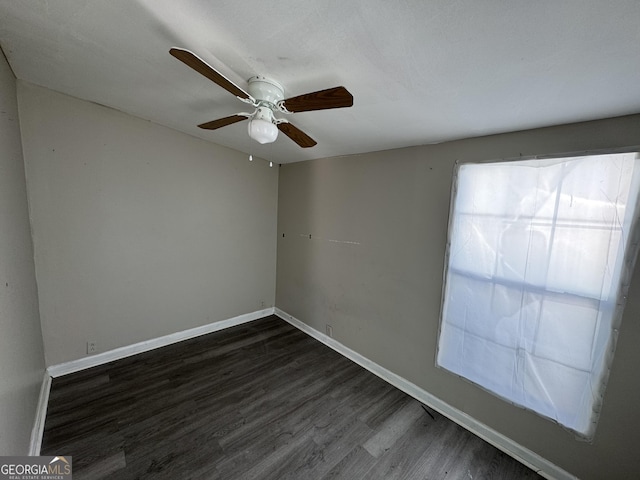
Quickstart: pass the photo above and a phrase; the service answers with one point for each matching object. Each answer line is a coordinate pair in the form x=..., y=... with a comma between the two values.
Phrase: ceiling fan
x=267, y=97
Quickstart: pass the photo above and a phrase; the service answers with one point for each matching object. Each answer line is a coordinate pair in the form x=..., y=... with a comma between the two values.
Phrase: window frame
x=629, y=263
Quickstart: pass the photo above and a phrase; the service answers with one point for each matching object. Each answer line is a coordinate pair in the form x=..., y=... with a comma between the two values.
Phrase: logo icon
x=36, y=468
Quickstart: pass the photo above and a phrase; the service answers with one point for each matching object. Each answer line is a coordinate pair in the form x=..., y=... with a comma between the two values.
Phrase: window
x=538, y=264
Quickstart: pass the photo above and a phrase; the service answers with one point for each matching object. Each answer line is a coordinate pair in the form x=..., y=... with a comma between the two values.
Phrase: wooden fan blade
x=193, y=61
x=337, y=97
x=297, y=135
x=222, y=122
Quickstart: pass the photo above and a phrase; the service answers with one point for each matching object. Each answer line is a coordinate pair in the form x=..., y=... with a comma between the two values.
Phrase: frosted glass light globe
x=263, y=131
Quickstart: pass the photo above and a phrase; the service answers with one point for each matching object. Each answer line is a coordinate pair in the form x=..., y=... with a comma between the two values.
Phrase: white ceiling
x=420, y=71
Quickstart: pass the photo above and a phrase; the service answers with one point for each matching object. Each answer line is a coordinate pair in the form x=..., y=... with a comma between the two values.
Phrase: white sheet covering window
x=539, y=260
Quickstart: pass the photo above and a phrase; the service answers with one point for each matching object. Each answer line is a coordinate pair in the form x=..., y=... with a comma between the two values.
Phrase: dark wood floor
x=258, y=401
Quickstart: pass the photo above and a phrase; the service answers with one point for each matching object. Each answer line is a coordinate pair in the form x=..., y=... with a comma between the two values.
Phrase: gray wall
x=373, y=270
x=139, y=231
x=21, y=352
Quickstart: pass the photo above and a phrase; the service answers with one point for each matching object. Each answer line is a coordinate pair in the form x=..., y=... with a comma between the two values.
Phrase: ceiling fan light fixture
x=263, y=131
x=267, y=96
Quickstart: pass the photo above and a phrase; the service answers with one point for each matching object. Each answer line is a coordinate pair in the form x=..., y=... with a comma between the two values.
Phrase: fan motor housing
x=265, y=89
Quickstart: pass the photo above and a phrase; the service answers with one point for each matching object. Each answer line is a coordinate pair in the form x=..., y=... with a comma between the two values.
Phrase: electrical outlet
x=92, y=347
x=329, y=331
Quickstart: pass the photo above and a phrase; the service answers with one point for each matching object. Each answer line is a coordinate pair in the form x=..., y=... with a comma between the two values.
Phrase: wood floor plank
x=421, y=450
x=353, y=466
x=261, y=400
x=402, y=461
x=105, y=467
x=394, y=428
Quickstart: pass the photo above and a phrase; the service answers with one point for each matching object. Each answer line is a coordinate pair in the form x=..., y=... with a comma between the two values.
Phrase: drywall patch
x=329, y=240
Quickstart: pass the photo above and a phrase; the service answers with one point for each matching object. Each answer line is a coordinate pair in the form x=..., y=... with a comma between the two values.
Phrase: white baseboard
x=524, y=455
x=41, y=414
x=123, y=352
